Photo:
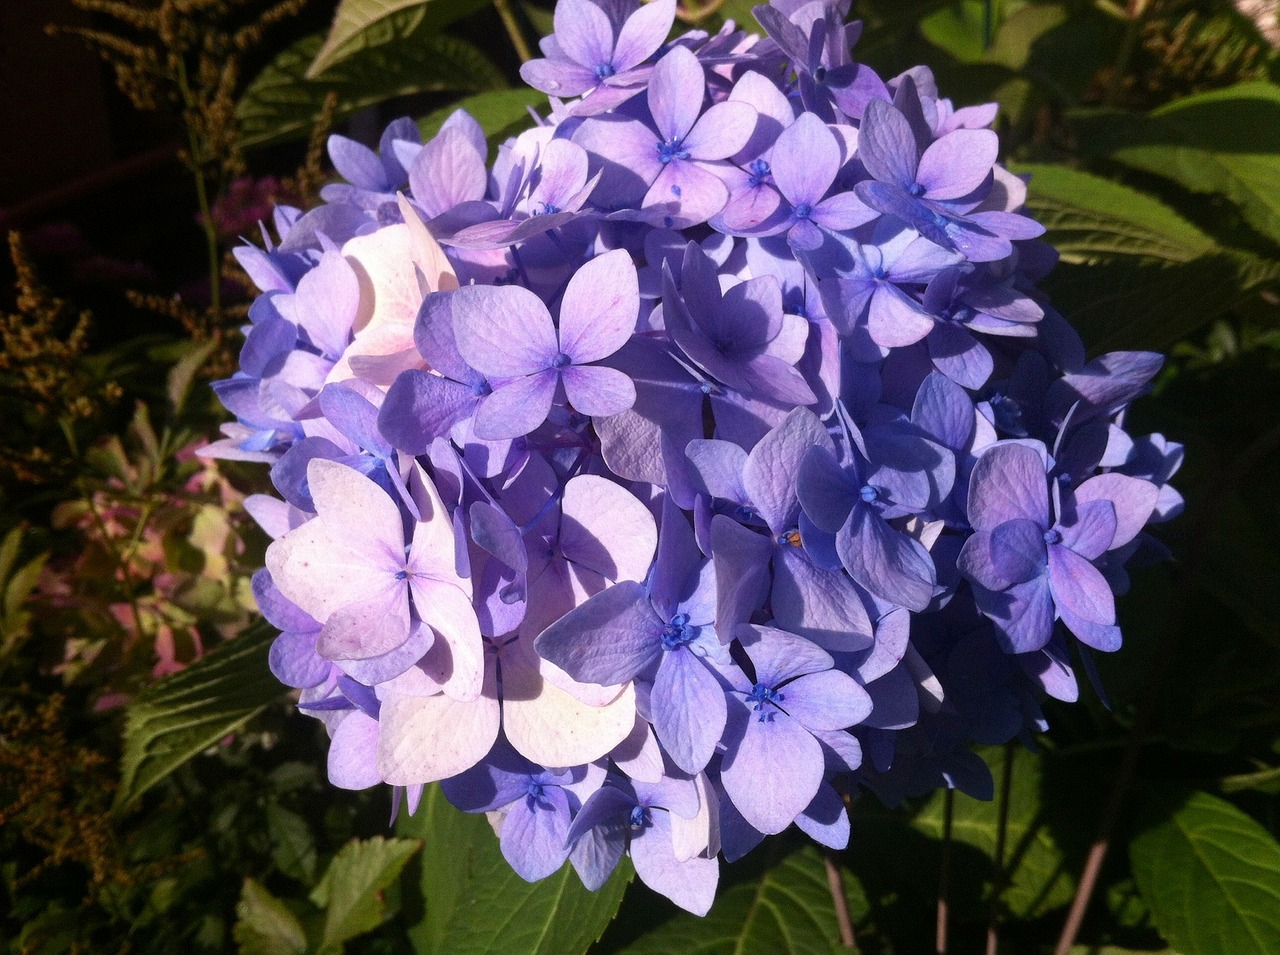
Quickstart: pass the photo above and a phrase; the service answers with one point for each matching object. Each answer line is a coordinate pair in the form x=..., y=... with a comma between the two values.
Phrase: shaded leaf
x=351, y=891
x=1225, y=142
x=787, y=911
x=475, y=903
x=1211, y=876
x=1239, y=564
x=182, y=715
x=293, y=849
x=1127, y=303
x=282, y=103
x=361, y=24
x=1061, y=50
x=1038, y=879
x=264, y=924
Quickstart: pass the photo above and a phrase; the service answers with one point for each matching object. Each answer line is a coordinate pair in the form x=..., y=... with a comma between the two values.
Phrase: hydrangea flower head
x=707, y=459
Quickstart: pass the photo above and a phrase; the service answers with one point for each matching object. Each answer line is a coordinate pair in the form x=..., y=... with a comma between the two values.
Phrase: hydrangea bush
x=708, y=458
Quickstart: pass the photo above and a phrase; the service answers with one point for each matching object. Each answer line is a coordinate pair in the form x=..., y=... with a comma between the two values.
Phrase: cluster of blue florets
x=709, y=456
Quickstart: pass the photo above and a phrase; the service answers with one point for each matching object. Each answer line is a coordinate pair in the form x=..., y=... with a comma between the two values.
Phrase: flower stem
x=202, y=199
x=1135, y=15
x=839, y=901
x=944, y=872
x=512, y=25
x=1002, y=828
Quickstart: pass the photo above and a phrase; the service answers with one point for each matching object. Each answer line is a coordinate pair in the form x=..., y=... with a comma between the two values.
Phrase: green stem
x=944, y=874
x=202, y=198
x=512, y=26
x=1133, y=28
x=835, y=882
x=999, y=875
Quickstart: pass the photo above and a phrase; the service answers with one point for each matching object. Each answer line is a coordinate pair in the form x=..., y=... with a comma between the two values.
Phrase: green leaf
x=1211, y=876
x=281, y=102
x=1134, y=274
x=959, y=29
x=9, y=549
x=351, y=891
x=475, y=903
x=500, y=113
x=182, y=715
x=264, y=924
x=1038, y=881
x=787, y=911
x=293, y=848
x=1238, y=563
x=184, y=371
x=1088, y=217
x=1225, y=142
x=1266, y=780
x=361, y=24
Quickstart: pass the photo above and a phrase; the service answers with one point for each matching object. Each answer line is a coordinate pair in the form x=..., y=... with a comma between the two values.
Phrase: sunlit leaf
x=351, y=892
x=1211, y=876
x=182, y=715
x=264, y=924
x=500, y=113
x=360, y=24
x=282, y=102
x=476, y=904
x=1225, y=142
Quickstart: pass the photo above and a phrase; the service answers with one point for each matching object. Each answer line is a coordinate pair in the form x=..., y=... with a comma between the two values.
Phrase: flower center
x=672, y=149
x=561, y=360
x=639, y=817
x=678, y=633
x=1053, y=536
x=789, y=538
x=869, y=494
x=759, y=171
x=1008, y=414
x=604, y=71
x=760, y=695
x=803, y=211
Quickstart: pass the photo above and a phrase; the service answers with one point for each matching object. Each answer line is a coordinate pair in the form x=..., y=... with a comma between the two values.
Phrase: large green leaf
x=351, y=892
x=264, y=924
x=1135, y=274
x=1211, y=876
x=1088, y=216
x=474, y=903
x=500, y=113
x=1038, y=880
x=361, y=24
x=184, y=714
x=282, y=102
x=959, y=28
x=788, y=911
x=1224, y=142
